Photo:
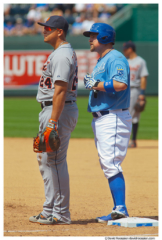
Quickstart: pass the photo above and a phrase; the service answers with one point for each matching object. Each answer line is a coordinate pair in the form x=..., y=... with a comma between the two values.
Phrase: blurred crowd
x=21, y=19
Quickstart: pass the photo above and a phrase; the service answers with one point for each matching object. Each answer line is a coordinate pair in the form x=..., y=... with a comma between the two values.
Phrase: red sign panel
x=24, y=68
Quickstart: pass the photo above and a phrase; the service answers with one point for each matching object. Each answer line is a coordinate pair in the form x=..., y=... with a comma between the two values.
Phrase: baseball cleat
x=50, y=220
x=119, y=212
x=35, y=219
x=104, y=219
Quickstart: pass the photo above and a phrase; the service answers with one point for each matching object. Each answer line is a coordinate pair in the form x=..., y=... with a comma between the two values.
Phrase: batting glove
x=89, y=82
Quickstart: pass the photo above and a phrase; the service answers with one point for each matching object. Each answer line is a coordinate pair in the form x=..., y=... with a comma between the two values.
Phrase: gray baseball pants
x=53, y=166
x=134, y=93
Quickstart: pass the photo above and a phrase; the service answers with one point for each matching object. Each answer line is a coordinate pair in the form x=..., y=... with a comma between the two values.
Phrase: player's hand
x=141, y=97
x=86, y=78
x=89, y=82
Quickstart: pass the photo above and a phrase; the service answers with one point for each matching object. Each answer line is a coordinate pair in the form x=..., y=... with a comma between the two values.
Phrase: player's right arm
x=59, y=99
x=61, y=75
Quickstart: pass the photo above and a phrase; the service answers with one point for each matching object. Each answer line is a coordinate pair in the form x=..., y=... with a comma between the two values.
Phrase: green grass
x=21, y=118
x=148, y=125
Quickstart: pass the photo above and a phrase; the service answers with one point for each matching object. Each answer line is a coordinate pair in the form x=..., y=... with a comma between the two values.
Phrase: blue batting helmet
x=106, y=33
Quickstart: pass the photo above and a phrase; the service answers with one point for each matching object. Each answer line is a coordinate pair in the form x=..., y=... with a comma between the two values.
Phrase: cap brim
x=43, y=24
x=87, y=33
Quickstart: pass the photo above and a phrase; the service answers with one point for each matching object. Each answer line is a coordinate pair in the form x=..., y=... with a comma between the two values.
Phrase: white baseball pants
x=112, y=132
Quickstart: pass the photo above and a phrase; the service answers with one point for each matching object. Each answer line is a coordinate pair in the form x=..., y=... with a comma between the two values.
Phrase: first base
x=134, y=222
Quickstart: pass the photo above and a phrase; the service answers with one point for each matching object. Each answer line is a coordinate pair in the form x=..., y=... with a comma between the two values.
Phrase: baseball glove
x=48, y=140
x=140, y=105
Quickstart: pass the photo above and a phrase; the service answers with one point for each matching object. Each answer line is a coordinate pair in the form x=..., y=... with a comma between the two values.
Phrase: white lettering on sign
x=7, y=70
x=19, y=65
x=30, y=64
x=39, y=64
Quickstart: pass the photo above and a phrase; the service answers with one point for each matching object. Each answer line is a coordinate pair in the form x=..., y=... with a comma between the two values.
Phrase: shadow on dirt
x=86, y=221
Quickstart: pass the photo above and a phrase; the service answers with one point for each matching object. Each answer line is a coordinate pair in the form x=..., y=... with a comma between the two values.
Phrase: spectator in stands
x=33, y=16
x=69, y=16
x=89, y=7
x=104, y=16
x=19, y=28
x=8, y=29
x=77, y=25
x=79, y=8
x=79, y=16
x=83, y=23
x=98, y=8
x=57, y=11
x=87, y=22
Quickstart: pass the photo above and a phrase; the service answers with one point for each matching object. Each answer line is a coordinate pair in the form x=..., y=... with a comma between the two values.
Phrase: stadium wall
x=147, y=50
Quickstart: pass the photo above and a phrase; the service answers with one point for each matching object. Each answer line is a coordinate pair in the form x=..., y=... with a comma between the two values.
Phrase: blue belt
x=102, y=113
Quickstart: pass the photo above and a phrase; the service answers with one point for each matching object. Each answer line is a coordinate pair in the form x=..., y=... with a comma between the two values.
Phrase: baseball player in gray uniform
x=57, y=92
x=138, y=81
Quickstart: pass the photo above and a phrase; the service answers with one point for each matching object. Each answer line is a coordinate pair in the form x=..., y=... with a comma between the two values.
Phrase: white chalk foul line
x=19, y=231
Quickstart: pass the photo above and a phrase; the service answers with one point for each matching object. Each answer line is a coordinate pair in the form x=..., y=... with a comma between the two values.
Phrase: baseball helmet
x=106, y=33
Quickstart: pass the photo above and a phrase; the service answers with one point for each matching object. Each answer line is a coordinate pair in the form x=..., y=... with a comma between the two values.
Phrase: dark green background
x=21, y=118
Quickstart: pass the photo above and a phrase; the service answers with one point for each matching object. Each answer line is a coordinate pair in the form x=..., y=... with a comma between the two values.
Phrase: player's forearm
x=143, y=83
x=58, y=104
x=118, y=86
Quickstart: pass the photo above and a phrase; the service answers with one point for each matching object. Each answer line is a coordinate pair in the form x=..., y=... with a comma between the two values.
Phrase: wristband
x=142, y=92
x=52, y=123
x=108, y=86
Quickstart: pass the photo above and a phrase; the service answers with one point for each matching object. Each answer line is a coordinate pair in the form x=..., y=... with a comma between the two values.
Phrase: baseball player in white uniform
x=109, y=100
x=57, y=92
x=138, y=81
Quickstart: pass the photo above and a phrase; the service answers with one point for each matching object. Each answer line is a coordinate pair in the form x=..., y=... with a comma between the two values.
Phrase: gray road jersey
x=60, y=65
x=138, y=69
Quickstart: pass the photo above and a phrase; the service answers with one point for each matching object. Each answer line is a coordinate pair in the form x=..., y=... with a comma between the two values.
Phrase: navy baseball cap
x=56, y=22
x=129, y=44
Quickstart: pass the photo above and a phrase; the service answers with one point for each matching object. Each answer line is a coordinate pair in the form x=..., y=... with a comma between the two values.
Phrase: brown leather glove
x=140, y=104
x=48, y=140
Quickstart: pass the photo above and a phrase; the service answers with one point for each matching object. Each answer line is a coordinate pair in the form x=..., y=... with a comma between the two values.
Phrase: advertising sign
x=23, y=69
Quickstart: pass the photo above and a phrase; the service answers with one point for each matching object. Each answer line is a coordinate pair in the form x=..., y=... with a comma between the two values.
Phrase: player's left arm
x=118, y=79
x=143, y=87
x=143, y=77
x=118, y=86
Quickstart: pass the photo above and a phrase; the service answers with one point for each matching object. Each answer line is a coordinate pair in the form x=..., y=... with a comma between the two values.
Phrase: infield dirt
x=90, y=195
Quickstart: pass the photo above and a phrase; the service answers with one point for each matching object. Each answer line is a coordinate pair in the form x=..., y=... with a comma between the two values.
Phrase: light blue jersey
x=115, y=66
